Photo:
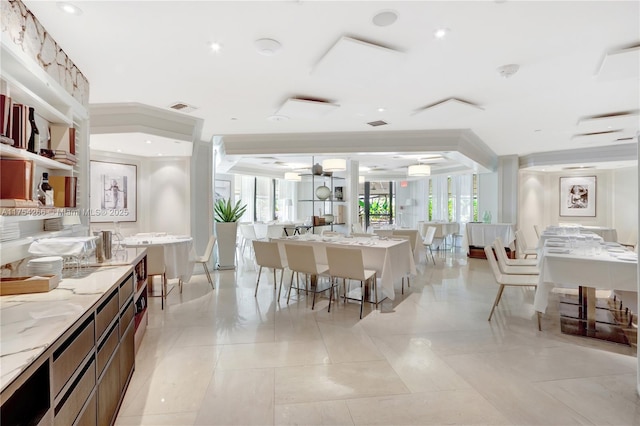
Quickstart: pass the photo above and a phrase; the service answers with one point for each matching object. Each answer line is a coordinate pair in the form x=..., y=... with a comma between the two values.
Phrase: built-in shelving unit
x=26, y=83
x=316, y=208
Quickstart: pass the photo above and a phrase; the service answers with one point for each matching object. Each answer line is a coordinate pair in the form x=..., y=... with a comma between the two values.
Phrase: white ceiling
x=157, y=53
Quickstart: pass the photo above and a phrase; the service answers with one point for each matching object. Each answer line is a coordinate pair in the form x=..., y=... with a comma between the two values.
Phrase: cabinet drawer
x=126, y=316
x=106, y=312
x=70, y=406
x=127, y=355
x=106, y=348
x=89, y=416
x=126, y=290
x=71, y=353
x=109, y=392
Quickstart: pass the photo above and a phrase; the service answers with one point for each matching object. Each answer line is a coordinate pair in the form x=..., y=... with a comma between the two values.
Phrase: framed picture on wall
x=113, y=192
x=578, y=196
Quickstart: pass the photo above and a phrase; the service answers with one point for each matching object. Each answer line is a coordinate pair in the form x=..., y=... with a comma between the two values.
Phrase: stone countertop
x=30, y=323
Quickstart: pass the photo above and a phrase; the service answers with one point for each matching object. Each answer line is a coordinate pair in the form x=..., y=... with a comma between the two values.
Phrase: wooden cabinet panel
x=89, y=416
x=71, y=353
x=106, y=312
x=126, y=316
x=126, y=290
x=70, y=406
x=127, y=355
x=109, y=392
x=107, y=347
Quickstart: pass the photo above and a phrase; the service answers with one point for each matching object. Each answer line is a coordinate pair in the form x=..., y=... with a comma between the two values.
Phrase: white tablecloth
x=602, y=271
x=414, y=234
x=546, y=236
x=391, y=259
x=179, y=254
x=484, y=234
x=607, y=234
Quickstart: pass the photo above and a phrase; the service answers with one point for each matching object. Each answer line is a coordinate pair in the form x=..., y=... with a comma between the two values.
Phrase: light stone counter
x=30, y=323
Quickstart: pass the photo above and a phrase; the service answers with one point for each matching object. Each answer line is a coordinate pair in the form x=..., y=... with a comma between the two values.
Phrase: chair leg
x=180, y=284
x=539, y=315
x=164, y=289
x=290, y=287
x=280, y=289
x=208, y=274
x=495, y=303
x=330, y=293
x=258, y=281
x=361, y=298
x=375, y=289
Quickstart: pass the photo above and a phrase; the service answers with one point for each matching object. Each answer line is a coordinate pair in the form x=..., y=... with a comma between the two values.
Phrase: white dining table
x=390, y=258
x=570, y=268
x=179, y=254
x=552, y=236
x=413, y=234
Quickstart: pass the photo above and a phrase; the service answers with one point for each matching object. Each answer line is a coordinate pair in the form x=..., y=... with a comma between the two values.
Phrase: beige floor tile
x=348, y=344
x=336, y=381
x=314, y=413
x=178, y=383
x=239, y=397
x=462, y=407
x=170, y=419
x=417, y=365
x=278, y=354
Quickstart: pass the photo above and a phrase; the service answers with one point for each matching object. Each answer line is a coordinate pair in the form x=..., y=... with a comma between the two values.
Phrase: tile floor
x=224, y=357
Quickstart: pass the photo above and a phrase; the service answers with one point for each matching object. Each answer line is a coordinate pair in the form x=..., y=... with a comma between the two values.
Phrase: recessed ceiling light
x=215, y=46
x=69, y=8
x=277, y=118
x=381, y=109
x=148, y=141
x=385, y=18
x=118, y=150
x=268, y=46
x=441, y=33
x=160, y=154
x=508, y=70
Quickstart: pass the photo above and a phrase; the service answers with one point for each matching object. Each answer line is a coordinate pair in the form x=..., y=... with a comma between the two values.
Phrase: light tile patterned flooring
x=224, y=357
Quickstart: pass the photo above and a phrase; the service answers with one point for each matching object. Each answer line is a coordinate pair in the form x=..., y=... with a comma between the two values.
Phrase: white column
x=508, y=189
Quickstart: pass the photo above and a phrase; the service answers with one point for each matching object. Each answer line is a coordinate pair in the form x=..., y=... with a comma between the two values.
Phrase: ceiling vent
x=629, y=120
x=377, y=123
x=620, y=64
x=182, y=107
x=597, y=137
x=306, y=108
x=578, y=167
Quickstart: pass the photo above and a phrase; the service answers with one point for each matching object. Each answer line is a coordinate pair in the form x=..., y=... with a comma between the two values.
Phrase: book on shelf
x=63, y=138
x=64, y=190
x=16, y=179
x=20, y=126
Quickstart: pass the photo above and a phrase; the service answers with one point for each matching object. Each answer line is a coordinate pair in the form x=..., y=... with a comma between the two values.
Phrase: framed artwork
x=113, y=192
x=222, y=190
x=578, y=196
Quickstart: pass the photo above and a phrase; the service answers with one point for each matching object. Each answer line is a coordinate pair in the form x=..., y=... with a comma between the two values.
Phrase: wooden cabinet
x=140, y=301
x=82, y=377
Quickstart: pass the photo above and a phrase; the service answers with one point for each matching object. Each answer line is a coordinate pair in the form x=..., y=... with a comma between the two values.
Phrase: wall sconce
x=334, y=165
x=419, y=170
x=292, y=176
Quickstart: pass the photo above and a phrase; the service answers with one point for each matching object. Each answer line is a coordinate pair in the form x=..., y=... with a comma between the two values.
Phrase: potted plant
x=226, y=215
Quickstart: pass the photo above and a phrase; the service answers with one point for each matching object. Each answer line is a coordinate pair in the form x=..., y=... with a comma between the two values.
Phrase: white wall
x=164, y=195
x=616, y=203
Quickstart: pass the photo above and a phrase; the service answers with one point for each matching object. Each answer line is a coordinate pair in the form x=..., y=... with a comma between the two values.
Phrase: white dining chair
x=275, y=231
x=504, y=280
x=508, y=261
x=204, y=259
x=348, y=264
x=248, y=233
x=522, y=248
x=427, y=242
x=156, y=267
x=301, y=259
x=268, y=256
x=501, y=255
x=328, y=233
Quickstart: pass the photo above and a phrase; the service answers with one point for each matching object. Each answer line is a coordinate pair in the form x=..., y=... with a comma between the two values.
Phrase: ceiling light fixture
x=360, y=179
x=69, y=8
x=267, y=46
x=441, y=33
x=292, y=176
x=385, y=18
x=277, y=118
x=148, y=141
x=381, y=109
x=215, y=46
x=419, y=170
x=334, y=165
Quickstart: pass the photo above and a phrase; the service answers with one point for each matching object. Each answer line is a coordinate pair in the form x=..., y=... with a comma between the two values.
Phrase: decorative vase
x=486, y=217
x=316, y=169
x=323, y=192
x=328, y=219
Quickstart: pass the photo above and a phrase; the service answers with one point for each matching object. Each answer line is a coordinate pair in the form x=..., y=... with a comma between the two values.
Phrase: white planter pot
x=226, y=241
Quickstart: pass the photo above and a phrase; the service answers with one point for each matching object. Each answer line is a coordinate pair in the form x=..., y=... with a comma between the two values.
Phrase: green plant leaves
x=224, y=211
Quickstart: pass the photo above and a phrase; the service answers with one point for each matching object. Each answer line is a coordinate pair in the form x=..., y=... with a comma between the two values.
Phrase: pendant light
x=419, y=170
x=292, y=176
x=334, y=165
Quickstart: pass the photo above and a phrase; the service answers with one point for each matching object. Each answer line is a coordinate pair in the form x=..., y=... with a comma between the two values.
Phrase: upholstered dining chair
x=520, y=269
x=427, y=242
x=502, y=253
x=268, y=256
x=522, y=248
x=156, y=267
x=204, y=259
x=302, y=259
x=248, y=233
x=504, y=280
x=275, y=231
x=348, y=264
